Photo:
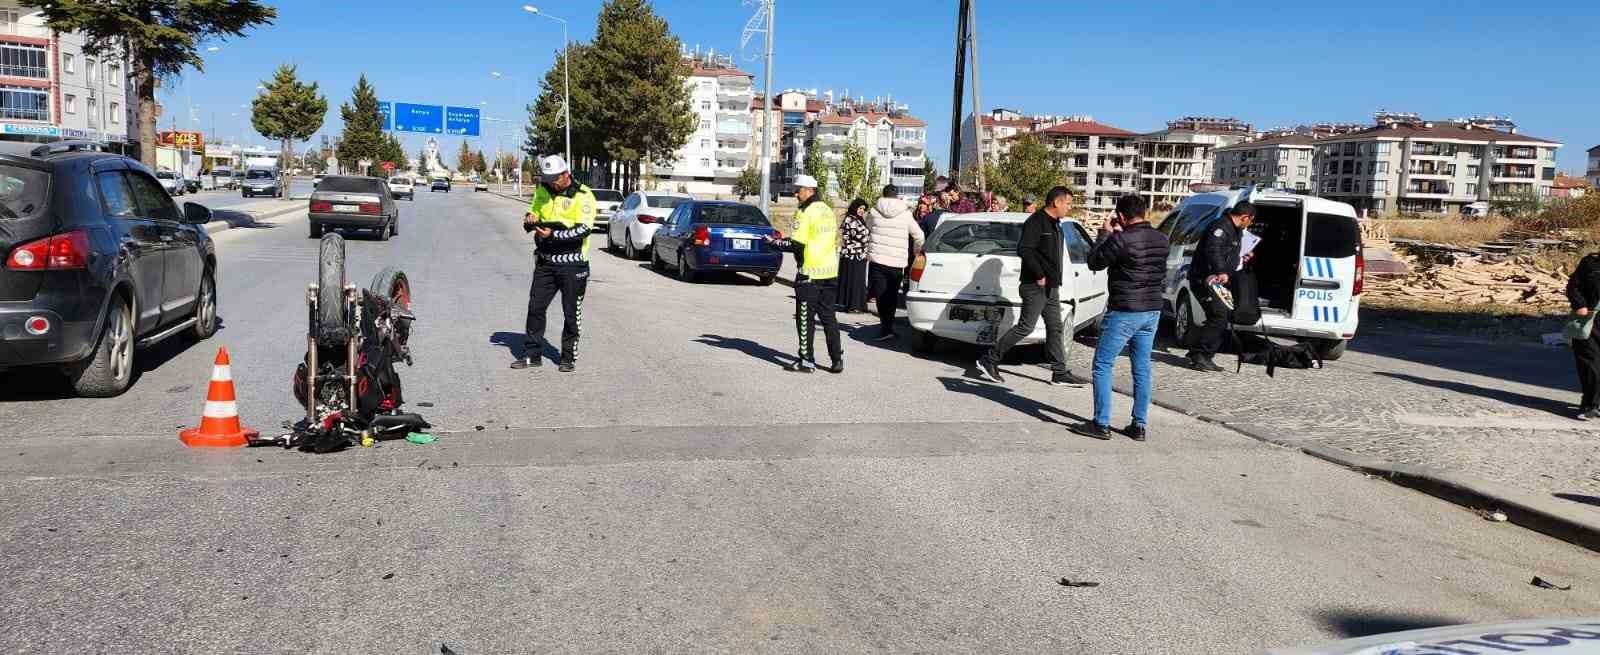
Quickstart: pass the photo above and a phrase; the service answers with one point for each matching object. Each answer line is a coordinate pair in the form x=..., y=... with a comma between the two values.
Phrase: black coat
x=1218, y=252
x=1583, y=288
x=1040, y=249
x=1136, y=259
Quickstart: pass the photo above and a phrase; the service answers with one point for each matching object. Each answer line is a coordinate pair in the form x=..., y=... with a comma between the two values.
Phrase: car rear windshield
x=351, y=185
x=399, y=180
x=664, y=202
x=729, y=215
x=166, y=175
x=975, y=238
x=1330, y=235
x=258, y=175
x=607, y=195
x=23, y=192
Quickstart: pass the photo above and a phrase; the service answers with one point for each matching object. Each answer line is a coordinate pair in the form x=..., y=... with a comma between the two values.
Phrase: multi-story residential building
x=1173, y=160
x=721, y=146
x=999, y=126
x=1284, y=161
x=793, y=111
x=1593, y=173
x=893, y=140
x=1099, y=159
x=1412, y=166
x=51, y=89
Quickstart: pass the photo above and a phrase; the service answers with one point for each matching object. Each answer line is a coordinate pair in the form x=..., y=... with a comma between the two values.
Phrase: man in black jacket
x=1135, y=253
x=1583, y=292
x=1040, y=249
x=1215, y=261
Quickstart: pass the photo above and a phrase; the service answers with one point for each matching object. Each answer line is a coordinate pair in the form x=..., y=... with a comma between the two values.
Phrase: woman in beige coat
x=895, y=239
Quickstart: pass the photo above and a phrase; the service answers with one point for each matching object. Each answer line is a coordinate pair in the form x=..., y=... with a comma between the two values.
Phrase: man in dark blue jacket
x=1135, y=253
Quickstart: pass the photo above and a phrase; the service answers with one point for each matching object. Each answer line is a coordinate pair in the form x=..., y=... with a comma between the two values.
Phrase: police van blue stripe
x=1316, y=313
x=1335, y=314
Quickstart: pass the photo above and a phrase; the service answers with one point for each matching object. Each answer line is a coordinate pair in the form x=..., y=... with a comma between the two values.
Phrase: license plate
x=969, y=314
x=346, y=209
x=742, y=244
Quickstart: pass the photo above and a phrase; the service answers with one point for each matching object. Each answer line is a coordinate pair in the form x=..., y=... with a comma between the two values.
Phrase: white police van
x=1308, y=265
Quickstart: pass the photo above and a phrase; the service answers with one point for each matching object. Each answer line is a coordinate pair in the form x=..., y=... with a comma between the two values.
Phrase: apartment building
x=1282, y=161
x=1420, y=167
x=51, y=89
x=1593, y=174
x=1100, y=160
x=998, y=128
x=894, y=141
x=1173, y=160
x=722, y=145
x=1566, y=186
x=793, y=110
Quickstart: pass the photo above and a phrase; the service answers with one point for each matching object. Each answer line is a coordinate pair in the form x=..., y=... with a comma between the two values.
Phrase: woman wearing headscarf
x=853, y=240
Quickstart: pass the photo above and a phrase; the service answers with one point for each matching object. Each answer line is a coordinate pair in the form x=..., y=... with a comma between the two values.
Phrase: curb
x=215, y=227
x=1526, y=509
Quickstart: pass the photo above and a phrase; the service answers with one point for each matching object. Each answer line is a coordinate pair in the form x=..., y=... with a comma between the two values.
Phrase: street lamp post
x=566, y=76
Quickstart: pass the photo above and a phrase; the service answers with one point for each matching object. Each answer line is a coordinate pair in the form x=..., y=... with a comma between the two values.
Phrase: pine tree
x=1028, y=168
x=872, y=187
x=636, y=79
x=479, y=163
x=422, y=162
x=464, y=159
x=288, y=111
x=363, y=136
x=930, y=177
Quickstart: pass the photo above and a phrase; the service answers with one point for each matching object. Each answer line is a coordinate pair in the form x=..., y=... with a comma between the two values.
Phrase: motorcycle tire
x=330, y=290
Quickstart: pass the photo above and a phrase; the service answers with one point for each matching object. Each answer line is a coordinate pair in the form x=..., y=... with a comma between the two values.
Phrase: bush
x=1579, y=214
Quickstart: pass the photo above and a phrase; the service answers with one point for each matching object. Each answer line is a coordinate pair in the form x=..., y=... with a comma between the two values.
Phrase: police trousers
x=569, y=280
x=813, y=303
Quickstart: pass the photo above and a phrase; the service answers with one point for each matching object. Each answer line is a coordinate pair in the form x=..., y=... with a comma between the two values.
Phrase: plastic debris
x=424, y=404
x=1081, y=583
x=478, y=428
x=420, y=438
x=1497, y=516
x=1546, y=584
x=386, y=577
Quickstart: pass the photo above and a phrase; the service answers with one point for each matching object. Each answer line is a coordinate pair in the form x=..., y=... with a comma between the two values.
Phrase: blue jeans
x=1117, y=330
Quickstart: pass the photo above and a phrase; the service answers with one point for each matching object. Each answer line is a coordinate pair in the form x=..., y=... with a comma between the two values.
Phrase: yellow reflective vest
x=817, y=228
x=573, y=208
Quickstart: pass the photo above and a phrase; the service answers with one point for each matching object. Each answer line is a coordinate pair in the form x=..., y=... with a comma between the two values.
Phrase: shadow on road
x=1351, y=624
x=1040, y=411
x=1579, y=498
x=48, y=383
x=512, y=342
x=1508, y=397
x=748, y=347
x=1501, y=359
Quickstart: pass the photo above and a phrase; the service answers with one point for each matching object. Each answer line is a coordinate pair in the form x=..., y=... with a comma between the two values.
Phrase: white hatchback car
x=1308, y=266
x=606, y=202
x=635, y=222
x=402, y=186
x=964, y=286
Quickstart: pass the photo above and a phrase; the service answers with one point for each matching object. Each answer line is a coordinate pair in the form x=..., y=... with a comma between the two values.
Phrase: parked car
x=99, y=263
x=172, y=182
x=354, y=202
x=401, y=186
x=635, y=222
x=480, y=185
x=222, y=177
x=964, y=286
x=191, y=184
x=440, y=184
x=606, y=202
x=703, y=236
x=261, y=182
x=317, y=179
x=1308, y=265
x=1475, y=210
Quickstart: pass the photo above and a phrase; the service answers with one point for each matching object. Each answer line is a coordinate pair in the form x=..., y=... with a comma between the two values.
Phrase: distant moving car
x=480, y=185
x=261, y=182
x=1475, y=210
x=191, y=184
x=703, y=236
x=606, y=202
x=1308, y=266
x=354, y=202
x=172, y=182
x=222, y=177
x=635, y=222
x=964, y=286
x=401, y=186
x=440, y=184
x=99, y=262
x=317, y=179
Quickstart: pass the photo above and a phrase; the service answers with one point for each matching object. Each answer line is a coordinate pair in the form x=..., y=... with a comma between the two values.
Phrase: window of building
x=1380, y=148
x=705, y=125
x=705, y=144
x=1301, y=171
x=1330, y=186
x=93, y=106
x=705, y=85
x=1358, y=168
x=705, y=161
x=1380, y=186
x=1283, y=170
x=1299, y=186
x=17, y=60
x=705, y=105
x=69, y=63
x=70, y=103
x=116, y=113
x=114, y=74
x=1379, y=204
x=1345, y=184
x=1349, y=167
x=1474, y=171
x=24, y=103
x=89, y=66
x=1476, y=152
x=1355, y=186
x=1380, y=167
x=1472, y=189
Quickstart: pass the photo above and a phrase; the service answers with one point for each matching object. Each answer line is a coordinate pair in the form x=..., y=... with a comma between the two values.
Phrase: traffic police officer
x=1215, y=260
x=560, y=217
x=815, y=244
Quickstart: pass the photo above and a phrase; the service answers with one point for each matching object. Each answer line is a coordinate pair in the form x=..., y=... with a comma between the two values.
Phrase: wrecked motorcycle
x=355, y=337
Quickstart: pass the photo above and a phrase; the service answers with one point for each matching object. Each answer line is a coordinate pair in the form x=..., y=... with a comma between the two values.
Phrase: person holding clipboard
x=561, y=216
x=1217, y=257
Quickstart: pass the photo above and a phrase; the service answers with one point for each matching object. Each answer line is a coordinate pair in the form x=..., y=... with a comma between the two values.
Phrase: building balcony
x=912, y=143
x=733, y=128
x=1429, y=174
x=734, y=114
x=730, y=92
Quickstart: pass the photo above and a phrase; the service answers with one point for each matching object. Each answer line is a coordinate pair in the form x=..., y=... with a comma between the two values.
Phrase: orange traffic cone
x=219, y=424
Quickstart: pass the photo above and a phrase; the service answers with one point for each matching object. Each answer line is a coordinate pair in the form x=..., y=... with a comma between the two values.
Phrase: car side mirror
x=196, y=214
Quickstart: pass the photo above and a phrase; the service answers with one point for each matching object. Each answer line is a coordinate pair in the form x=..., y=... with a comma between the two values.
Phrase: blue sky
x=1134, y=65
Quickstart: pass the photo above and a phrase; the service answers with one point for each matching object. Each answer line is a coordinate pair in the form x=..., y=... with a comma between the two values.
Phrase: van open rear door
x=1325, y=293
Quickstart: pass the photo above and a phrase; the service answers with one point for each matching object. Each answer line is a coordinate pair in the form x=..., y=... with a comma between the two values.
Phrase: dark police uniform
x=562, y=266
x=1218, y=253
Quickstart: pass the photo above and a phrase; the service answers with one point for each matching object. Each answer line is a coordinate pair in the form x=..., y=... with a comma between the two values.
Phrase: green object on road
x=420, y=437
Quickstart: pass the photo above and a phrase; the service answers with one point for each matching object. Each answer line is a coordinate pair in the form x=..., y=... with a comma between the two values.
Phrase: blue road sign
x=428, y=119
x=461, y=120
x=386, y=110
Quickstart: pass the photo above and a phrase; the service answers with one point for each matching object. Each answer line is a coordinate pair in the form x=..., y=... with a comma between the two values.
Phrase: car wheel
x=684, y=272
x=923, y=342
x=1330, y=350
x=383, y=232
x=109, y=370
x=394, y=226
x=627, y=246
x=1182, y=319
x=655, y=259
x=205, y=311
x=768, y=279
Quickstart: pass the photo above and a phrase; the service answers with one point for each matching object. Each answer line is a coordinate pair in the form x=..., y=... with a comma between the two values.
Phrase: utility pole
x=977, y=119
x=764, y=12
x=960, y=87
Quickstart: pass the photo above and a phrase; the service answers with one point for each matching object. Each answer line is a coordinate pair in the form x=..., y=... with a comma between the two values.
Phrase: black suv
x=99, y=261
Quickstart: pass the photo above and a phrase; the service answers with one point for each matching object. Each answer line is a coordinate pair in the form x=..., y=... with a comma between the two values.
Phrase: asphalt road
x=681, y=493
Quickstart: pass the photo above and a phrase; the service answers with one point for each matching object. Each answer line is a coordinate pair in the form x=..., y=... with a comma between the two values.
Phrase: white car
x=402, y=186
x=606, y=202
x=635, y=222
x=172, y=182
x=964, y=285
x=1308, y=265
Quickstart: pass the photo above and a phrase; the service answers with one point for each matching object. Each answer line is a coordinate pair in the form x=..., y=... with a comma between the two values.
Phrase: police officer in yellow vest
x=815, y=244
x=560, y=217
